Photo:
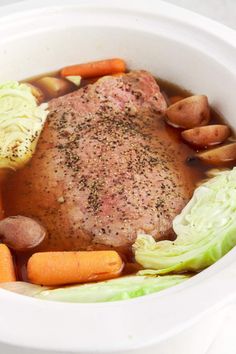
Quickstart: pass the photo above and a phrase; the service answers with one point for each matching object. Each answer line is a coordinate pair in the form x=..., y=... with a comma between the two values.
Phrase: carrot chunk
x=96, y=68
x=7, y=270
x=58, y=268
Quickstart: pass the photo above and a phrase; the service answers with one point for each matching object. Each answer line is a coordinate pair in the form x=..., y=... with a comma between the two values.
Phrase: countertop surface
x=223, y=11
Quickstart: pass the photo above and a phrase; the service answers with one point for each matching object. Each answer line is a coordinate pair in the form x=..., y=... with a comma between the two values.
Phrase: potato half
x=54, y=87
x=220, y=155
x=191, y=112
x=206, y=136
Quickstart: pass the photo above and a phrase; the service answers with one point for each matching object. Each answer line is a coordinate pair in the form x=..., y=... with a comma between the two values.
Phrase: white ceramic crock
x=174, y=44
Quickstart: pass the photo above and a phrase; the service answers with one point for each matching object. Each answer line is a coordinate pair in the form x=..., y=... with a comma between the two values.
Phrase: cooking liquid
x=197, y=170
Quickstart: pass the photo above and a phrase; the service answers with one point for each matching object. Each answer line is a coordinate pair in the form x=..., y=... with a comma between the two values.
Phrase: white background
x=223, y=11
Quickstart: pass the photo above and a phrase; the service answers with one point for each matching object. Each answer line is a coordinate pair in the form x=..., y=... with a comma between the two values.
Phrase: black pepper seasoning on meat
x=106, y=167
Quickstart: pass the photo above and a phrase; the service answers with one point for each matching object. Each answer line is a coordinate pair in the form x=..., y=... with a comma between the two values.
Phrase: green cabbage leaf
x=112, y=290
x=21, y=121
x=205, y=229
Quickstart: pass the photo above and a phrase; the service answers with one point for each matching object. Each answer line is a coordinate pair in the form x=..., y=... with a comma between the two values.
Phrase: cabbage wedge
x=205, y=229
x=111, y=290
x=123, y=288
x=21, y=121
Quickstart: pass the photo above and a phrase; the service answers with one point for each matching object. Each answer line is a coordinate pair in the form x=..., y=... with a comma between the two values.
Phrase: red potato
x=220, y=155
x=206, y=136
x=191, y=112
x=21, y=233
x=54, y=87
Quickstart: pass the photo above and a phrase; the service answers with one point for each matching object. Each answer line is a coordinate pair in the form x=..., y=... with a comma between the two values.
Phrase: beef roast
x=105, y=167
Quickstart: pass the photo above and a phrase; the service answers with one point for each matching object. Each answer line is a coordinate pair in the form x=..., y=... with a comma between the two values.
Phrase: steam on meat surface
x=105, y=167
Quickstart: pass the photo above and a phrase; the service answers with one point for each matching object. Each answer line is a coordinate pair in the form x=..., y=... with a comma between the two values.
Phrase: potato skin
x=54, y=87
x=203, y=137
x=191, y=112
x=220, y=155
x=21, y=233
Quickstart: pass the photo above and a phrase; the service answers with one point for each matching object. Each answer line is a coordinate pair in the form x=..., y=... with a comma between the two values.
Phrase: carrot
x=96, y=68
x=58, y=268
x=7, y=270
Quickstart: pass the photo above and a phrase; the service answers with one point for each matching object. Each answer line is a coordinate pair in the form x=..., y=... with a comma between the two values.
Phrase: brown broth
x=198, y=169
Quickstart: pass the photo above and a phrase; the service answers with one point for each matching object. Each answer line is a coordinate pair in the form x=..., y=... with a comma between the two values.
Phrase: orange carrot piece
x=7, y=270
x=96, y=68
x=58, y=268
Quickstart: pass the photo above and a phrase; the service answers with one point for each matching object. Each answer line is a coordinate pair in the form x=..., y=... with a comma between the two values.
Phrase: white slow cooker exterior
x=174, y=44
